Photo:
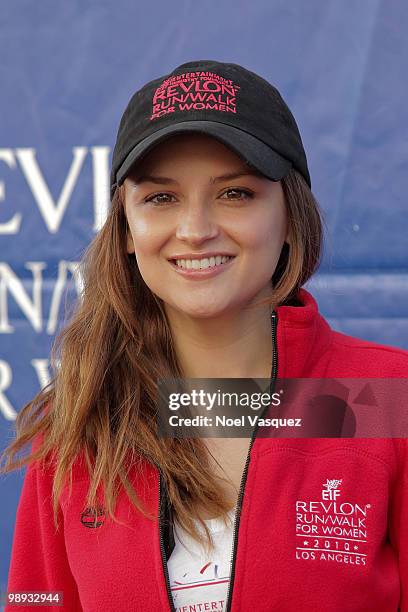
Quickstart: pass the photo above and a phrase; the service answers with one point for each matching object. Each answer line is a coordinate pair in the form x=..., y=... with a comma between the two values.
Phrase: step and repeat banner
x=67, y=72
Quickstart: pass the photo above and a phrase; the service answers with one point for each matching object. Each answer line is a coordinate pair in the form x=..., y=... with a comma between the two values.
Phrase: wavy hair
x=107, y=359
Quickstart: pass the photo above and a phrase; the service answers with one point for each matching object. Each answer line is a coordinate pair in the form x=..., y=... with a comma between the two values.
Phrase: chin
x=202, y=311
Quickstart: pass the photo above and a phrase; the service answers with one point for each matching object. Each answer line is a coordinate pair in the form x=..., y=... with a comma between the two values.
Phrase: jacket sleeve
x=398, y=522
x=38, y=558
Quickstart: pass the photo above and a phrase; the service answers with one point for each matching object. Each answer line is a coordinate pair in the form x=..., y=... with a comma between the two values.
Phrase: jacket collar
x=303, y=339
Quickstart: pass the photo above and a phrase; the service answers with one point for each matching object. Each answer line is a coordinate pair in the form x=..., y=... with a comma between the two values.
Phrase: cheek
x=276, y=233
x=265, y=233
x=146, y=240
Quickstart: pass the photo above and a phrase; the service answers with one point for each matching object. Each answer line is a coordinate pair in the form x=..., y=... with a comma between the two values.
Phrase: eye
x=248, y=194
x=157, y=195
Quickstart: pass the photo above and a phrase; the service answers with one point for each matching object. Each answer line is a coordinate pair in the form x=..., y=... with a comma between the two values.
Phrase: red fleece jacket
x=281, y=562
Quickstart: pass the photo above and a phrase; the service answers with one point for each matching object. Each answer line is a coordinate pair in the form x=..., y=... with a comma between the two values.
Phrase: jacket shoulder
x=369, y=358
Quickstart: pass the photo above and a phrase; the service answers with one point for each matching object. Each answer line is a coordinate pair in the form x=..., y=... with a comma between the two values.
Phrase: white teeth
x=200, y=264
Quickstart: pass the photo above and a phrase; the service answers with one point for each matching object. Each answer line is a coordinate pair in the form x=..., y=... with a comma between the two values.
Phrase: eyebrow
x=149, y=178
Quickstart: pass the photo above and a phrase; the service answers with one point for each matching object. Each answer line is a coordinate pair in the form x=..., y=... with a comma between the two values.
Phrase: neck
x=235, y=345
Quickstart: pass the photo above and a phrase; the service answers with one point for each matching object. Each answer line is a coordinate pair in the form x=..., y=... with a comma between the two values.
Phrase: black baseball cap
x=223, y=100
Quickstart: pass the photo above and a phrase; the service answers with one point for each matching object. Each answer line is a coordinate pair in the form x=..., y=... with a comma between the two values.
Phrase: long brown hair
x=106, y=361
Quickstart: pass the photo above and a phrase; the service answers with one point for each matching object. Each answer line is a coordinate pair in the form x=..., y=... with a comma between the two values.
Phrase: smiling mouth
x=202, y=264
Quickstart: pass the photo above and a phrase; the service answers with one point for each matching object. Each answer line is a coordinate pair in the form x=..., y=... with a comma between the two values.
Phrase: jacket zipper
x=162, y=550
x=274, y=319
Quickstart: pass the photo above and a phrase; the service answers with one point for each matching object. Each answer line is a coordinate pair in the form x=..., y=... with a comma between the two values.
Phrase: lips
x=212, y=262
x=202, y=273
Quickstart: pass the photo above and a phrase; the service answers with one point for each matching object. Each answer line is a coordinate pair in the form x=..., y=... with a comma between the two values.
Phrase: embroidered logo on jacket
x=93, y=517
x=330, y=529
x=331, y=492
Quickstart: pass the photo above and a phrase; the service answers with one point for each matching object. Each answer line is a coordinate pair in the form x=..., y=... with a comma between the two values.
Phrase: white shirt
x=196, y=579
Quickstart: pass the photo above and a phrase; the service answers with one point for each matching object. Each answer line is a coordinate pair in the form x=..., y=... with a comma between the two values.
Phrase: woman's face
x=179, y=206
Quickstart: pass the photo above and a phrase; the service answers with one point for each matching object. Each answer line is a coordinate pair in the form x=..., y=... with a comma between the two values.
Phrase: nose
x=196, y=224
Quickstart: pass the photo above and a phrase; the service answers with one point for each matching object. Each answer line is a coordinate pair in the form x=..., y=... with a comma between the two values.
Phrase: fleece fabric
x=323, y=524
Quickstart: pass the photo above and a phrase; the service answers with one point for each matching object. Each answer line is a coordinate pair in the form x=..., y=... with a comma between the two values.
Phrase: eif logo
x=331, y=490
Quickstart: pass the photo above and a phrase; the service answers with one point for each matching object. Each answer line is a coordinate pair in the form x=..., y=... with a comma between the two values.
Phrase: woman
x=198, y=272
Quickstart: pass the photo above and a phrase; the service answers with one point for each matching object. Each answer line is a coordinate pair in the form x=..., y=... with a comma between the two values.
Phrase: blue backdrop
x=67, y=72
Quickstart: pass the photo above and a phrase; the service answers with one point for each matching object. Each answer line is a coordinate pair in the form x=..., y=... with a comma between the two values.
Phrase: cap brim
x=248, y=147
